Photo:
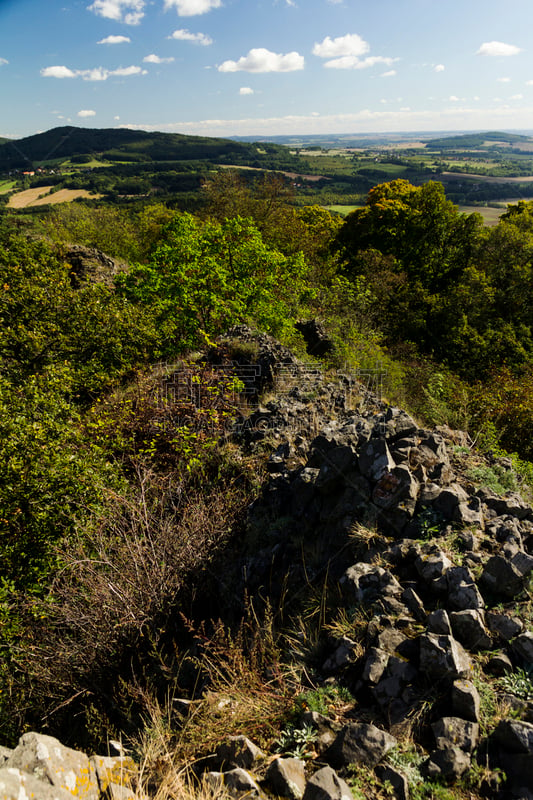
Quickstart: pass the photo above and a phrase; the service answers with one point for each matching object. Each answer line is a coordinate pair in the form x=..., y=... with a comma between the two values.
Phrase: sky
x=266, y=67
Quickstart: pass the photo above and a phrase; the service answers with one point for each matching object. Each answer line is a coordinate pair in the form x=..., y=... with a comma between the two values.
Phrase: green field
x=7, y=186
x=343, y=210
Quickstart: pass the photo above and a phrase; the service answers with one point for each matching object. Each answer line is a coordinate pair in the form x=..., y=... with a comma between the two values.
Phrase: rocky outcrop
x=40, y=767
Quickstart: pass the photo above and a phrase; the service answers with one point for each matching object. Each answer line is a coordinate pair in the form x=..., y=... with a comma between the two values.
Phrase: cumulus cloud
x=503, y=80
x=153, y=59
x=439, y=68
x=3, y=61
x=350, y=45
x=129, y=11
x=498, y=49
x=517, y=97
x=95, y=74
x=261, y=60
x=245, y=90
x=389, y=74
x=182, y=34
x=345, y=52
x=86, y=112
x=190, y=8
x=114, y=40
x=58, y=72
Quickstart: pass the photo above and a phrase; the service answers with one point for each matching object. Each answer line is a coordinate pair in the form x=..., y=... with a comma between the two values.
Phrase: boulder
x=455, y=732
x=326, y=785
x=447, y=765
x=238, y=751
x=465, y=700
x=15, y=784
x=365, y=583
x=51, y=762
x=469, y=628
x=359, y=743
x=375, y=459
x=286, y=777
x=442, y=657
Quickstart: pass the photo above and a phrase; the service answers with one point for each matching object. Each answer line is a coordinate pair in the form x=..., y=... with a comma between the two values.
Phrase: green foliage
x=206, y=276
x=519, y=683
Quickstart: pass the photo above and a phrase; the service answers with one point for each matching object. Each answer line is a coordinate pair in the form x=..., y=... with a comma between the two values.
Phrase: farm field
x=40, y=197
x=6, y=186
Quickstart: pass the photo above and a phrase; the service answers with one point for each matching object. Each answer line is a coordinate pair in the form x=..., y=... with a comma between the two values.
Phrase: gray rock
x=414, y=604
x=235, y=782
x=523, y=646
x=504, y=626
x=240, y=752
x=286, y=777
x=455, y=732
x=511, y=504
x=462, y=590
x=501, y=577
x=48, y=760
x=397, y=780
x=442, y=657
x=447, y=765
x=432, y=563
x=439, y=622
x=345, y=653
x=15, y=784
x=375, y=459
x=514, y=736
x=359, y=743
x=364, y=583
x=326, y=785
x=395, y=487
x=375, y=665
x=499, y=664
x=465, y=700
x=469, y=628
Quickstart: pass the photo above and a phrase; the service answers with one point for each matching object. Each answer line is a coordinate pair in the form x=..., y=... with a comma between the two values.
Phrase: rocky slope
x=427, y=567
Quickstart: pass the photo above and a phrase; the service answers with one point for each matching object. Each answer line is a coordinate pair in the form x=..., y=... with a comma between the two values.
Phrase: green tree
x=206, y=275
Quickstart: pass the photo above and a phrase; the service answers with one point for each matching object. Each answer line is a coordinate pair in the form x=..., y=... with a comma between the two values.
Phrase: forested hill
x=121, y=144
x=482, y=139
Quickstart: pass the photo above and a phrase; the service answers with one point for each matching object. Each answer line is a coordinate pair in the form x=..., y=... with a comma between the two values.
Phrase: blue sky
x=256, y=67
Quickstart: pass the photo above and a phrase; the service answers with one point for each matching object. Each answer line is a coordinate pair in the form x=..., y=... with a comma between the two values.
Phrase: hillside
x=127, y=145
x=483, y=139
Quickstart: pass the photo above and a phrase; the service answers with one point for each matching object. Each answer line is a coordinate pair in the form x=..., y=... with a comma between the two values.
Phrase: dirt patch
x=41, y=197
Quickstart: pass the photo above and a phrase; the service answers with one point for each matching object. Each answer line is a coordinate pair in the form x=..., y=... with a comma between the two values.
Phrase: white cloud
x=453, y=99
x=190, y=8
x=129, y=11
x=153, y=59
x=498, y=49
x=116, y=118
x=183, y=35
x=58, y=72
x=350, y=45
x=261, y=60
x=353, y=62
x=86, y=112
x=439, y=68
x=503, y=80
x=95, y=74
x=517, y=97
x=389, y=74
x=114, y=40
x=244, y=90
x=3, y=61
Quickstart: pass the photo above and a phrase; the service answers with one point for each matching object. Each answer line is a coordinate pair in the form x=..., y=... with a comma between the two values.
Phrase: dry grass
x=41, y=197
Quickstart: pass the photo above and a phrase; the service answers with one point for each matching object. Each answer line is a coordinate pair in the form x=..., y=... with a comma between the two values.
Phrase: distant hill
x=476, y=140
x=122, y=144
